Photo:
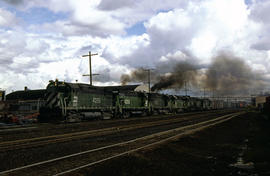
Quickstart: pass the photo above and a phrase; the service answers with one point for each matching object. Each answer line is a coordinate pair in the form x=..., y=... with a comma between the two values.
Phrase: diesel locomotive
x=76, y=101
x=62, y=101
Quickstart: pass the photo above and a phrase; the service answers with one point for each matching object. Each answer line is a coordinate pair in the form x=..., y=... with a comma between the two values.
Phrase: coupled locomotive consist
x=62, y=101
x=72, y=101
x=76, y=101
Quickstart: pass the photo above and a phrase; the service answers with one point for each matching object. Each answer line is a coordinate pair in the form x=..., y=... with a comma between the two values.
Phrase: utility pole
x=90, y=77
x=149, y=78
x=149, y=88
x=90, y=66
x=185, y=84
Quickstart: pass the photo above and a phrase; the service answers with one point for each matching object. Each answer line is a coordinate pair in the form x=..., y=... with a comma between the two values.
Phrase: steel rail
x=191, y=131
x=185, y=130
x=33, y=142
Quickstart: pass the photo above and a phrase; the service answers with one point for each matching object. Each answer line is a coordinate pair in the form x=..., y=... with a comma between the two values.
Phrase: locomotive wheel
x=126, y=115
x=144, y=114
x=106, y=115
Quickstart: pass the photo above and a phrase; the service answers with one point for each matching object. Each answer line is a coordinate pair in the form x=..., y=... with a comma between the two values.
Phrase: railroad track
x=16, y=128
x=62, y=165
x=46, y=140
x=5, y=130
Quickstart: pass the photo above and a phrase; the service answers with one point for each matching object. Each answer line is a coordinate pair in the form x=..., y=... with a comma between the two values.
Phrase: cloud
x=260, y=13
x=83, y=19
x=77, y=28
x=97, y=17
x=8, y=19
x=202, y=28
x=262, y=45
x=22, y=4
x=9, y=50
x=14, y=1
x=113, y=5
x=42, y=57
x=192, y=31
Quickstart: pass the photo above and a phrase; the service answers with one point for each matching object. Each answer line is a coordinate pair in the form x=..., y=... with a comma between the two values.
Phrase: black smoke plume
x=226, y=75
x=182, y=73
x=138, y=75
x=229, y=75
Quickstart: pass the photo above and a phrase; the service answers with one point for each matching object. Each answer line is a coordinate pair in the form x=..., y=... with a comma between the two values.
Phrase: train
x=72, y=102
x=77, y=101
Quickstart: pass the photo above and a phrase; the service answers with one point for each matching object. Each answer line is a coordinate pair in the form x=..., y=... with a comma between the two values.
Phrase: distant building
x=2, y=95
x=142, y=88
x=260, y=100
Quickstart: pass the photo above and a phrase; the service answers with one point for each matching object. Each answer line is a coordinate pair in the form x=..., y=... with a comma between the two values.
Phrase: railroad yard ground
x=239, y=146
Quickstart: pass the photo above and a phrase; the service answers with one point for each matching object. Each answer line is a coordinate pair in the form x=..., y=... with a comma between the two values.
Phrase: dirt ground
x=240, y=146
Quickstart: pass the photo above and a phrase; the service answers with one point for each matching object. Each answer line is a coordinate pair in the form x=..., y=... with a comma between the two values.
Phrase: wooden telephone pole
x=90, y=67
x=186, y=89
x=149, y=78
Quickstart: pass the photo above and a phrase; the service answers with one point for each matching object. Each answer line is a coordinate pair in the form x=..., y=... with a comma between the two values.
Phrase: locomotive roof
x=26, y=95
x=82, y=86
x=121, y=88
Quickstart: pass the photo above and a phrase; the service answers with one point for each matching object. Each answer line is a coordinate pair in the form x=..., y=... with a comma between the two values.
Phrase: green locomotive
x=76, y=101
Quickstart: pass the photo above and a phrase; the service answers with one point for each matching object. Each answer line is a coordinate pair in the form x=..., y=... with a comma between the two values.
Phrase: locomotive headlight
x=56, y=82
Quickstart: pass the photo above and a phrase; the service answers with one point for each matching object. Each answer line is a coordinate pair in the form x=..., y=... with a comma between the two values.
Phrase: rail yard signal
x=90, y=66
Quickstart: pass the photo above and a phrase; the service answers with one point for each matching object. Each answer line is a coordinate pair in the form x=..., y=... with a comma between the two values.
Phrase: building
x=2, y=95
x=260, y=100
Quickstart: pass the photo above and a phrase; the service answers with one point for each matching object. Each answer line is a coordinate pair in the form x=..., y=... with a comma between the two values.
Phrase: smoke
x=226, y=75
x=182, y=73
x=166, y=76
x=138, y=75
x=229, y=75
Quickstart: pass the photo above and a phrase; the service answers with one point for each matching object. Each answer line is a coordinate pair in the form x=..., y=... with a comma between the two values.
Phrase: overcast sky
x=41, y=40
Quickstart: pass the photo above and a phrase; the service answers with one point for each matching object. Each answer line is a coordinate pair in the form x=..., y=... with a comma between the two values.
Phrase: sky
x=41, y=40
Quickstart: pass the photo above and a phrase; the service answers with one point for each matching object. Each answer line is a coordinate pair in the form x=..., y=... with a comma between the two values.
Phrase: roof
x=87, y=87
x=26, y=95
x=124, y=88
